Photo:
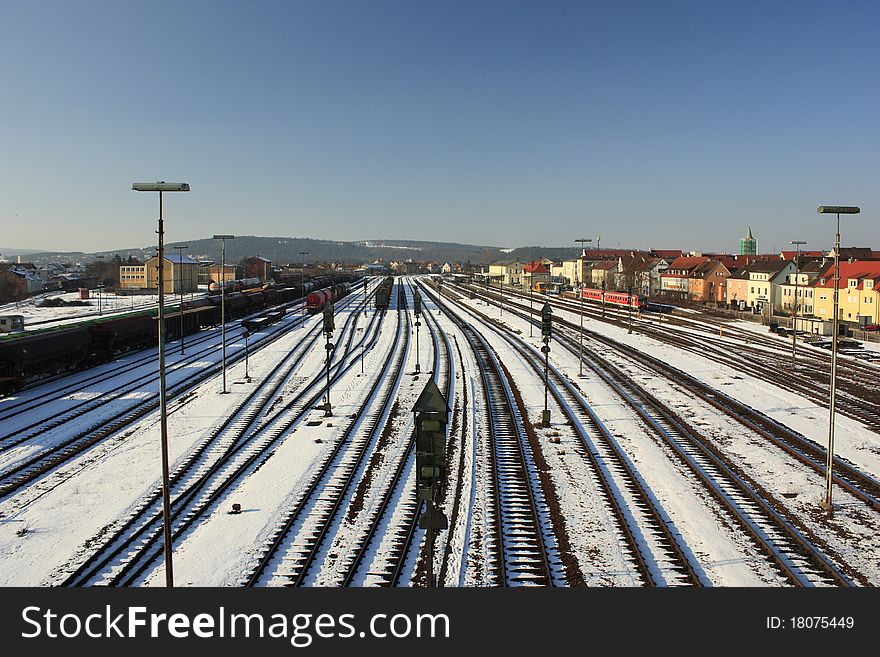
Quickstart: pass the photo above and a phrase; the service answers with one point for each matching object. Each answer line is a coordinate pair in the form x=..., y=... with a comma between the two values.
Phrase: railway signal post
x=629, y=306
x=161, y=187
x=247, y=375
x=417, y=311
x=329, y=327
x=546, y=333
x=531, y=308
x=501, y=299
x=603, y=298
x=431, y=415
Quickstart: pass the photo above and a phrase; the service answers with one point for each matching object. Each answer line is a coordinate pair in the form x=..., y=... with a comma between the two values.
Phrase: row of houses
x=185, y=274
x=757, y=283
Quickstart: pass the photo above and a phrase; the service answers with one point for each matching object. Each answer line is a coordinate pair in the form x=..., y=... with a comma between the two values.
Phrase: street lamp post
x=797, y=265
x=580, y=285
x=223, y=239
x=838, y=210
x=179, y=250
x=163, y=414
x=302, y=283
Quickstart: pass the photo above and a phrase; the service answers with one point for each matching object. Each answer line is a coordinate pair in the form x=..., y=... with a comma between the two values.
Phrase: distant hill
x=282, y=250
x=9, y=252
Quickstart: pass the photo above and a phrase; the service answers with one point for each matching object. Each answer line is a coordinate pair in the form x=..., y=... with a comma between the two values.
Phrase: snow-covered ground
x=37, y=317
x=53, y=524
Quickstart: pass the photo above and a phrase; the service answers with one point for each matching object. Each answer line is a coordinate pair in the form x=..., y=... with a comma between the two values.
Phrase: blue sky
x=655, y=124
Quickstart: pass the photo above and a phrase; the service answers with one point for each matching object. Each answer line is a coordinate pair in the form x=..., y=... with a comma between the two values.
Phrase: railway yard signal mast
x=417, y=311
x=329, y=327
x=546, y=334
x=432, y=412
x=161, y=187
x=838, y=210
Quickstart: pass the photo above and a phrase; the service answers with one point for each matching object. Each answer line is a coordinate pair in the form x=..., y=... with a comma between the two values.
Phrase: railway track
x=321, y=502
x=250, y=434
x=26, y=471
x=525, y=547
x=23, y=472
x=379, y=520
x=796, y=558
x=757, y=355
x=653, y=548
x=850, y=478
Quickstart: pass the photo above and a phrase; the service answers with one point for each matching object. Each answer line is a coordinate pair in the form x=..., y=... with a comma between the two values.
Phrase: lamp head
x=160, y=186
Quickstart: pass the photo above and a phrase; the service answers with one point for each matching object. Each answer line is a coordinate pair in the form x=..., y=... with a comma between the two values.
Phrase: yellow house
x=133, y=276
x=857, y=292
x=510, y=271
x=180, y=272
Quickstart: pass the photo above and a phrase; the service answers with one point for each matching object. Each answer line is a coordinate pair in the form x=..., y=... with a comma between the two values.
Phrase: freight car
x=383, y=293
x=43, y=354
x=259, y=323
x=235, y=286
x=315, y=301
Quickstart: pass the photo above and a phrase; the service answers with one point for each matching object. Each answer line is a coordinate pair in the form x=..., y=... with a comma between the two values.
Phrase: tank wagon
x=30, y=357
x=315, y=301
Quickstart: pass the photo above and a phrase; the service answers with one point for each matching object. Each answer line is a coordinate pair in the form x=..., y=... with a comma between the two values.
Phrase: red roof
x=536, y=267
x=687, y=263
x=860, y=269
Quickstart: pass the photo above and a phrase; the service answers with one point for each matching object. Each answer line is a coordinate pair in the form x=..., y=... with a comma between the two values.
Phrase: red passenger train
x=637, y=301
